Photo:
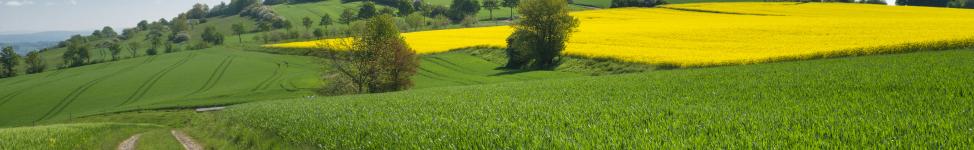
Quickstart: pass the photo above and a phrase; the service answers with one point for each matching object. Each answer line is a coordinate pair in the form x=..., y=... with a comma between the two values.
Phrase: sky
x=26, y=16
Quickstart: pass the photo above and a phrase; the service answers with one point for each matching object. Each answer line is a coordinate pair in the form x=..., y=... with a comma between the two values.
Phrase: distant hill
x=39, y=36
x=27, y=42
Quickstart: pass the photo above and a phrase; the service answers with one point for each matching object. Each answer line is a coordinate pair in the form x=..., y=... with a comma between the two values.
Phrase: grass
x=158, y=139
x=70, y=136
x=915, y=100
x=456, y=69
x=192, y=78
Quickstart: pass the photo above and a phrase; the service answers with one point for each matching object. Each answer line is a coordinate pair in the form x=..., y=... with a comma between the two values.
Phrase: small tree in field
x=133, y=48
x=540, y=35
x=239, y=30
x=307, y=22
x=116, y=49
x=376, y=60
x=9, y=59
x=491, y=5
x=35, y=64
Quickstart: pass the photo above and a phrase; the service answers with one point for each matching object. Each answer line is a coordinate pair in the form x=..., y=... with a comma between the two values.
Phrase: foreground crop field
x=921, y=100
x=70, y=136
x=709, y=34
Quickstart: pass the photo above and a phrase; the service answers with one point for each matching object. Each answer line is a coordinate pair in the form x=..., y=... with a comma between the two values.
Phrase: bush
x=469, y=21
x=539, y=37
x=181, y=37
x=377, y=60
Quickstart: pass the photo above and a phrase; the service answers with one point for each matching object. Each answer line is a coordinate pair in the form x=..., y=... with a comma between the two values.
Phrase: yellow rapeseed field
x=708, y=34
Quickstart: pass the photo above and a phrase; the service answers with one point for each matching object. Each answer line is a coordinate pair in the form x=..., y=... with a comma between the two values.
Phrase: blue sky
x=20, y=16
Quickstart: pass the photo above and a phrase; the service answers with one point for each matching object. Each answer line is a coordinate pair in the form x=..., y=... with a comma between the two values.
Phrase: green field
x=207, y=77
x=922, y=99
x=70, y=136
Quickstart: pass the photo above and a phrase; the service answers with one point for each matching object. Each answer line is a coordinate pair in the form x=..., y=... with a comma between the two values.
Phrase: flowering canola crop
x=709, y=34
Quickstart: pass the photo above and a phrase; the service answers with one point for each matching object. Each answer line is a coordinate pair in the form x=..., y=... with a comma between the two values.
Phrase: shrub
x=539, y=37
x=636, y=3
x=376, y=60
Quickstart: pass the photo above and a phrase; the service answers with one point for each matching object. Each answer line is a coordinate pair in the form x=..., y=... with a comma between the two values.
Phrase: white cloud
x=18, y=3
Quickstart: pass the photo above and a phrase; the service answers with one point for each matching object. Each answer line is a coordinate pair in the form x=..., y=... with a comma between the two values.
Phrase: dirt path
x=129, y=144
x=187, y=141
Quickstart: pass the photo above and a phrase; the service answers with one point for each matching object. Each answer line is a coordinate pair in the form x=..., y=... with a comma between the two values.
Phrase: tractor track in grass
x=130, y=143
x=278, y=73
x=447, y=78
x=148, y=84
x=71, y=97
x=459, y=68
x=216, y=75
x=9, y=97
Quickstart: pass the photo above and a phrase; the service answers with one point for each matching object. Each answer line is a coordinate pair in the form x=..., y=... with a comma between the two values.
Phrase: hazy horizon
x=32, y=16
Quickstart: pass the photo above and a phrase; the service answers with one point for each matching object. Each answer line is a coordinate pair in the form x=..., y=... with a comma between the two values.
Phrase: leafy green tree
x=511, y=4
x=440, y=21
x=134, y=47
x=143, y=25
x=35, y=64
x=367, y=10
x=306, y=21
x=199, y=11
x=263, y=26
x=108, y=32
x=460, y=9
x=319, y=33
x=416, y=20
x=210, y=35
x=9, y=59
x=116, y=49
x=348, y=15
x=326, y=21
x=539, y=37
x=378, y=60
x=239, y=29
x=405, y=7
x=77, y=54
x=491, y=5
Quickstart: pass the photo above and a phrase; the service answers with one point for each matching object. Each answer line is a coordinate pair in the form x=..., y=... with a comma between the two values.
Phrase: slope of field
x=205, y=77
x=70, y=136
x=454, y=69
x=922, y=99
x=709, y=34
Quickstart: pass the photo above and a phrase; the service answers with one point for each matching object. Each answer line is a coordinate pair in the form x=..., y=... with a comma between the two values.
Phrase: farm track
x=278, y=73
x=148, y=84
x=216, y=75
x=459, y=68
x=445, y=77
x=130, y=143
x=187, y=142
x=70, y=98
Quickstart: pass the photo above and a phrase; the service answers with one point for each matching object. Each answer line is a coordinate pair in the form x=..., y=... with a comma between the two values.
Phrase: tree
x=636, y=3
x=491, y=5
x=263, y=26
x=348, y=15
x=306, y=21
x=462, y=8
x=326, y=21
x=539, y=37
x=9, y=59
x=377, y=60
x=287, y=26
x=367, y=10
x=239, y=29
x=108, y=32
x=35, y=64
x=116, y=49
x=415, y=20
x=319, y=33
x=134, y=47
x=405, y=7
x=199, y=11
x=77, y=54
x=511, y=4
x=143, y=25
x=210, y=35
